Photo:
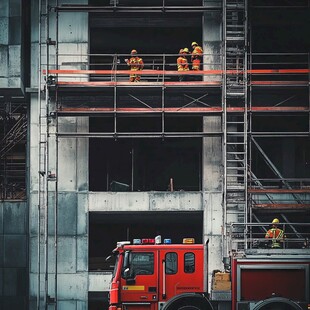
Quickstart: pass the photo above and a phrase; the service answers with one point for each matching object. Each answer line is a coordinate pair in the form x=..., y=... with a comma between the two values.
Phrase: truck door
x=139, y=285
x=179, y=273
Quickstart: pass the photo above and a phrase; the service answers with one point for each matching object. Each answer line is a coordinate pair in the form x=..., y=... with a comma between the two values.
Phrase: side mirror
x=108, y=258
x=127, y=276
x=129, y=281
x=126, y=273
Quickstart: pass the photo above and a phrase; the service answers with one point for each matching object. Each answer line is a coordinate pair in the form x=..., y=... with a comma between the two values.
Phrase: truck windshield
x=139, y=264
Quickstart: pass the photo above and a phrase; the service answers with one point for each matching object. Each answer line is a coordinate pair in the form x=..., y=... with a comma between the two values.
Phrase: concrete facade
x=14, y=255
x=11, y=46
x=67, y=254
x=45, y=241
x=58, y=251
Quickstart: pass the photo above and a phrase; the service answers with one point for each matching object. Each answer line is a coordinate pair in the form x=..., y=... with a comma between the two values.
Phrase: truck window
x=189, y=262
x=141, y=264
x=171, y=263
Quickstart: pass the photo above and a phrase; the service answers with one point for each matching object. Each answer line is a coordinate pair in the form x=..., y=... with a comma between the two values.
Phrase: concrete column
x=67, y=177
x=213, y=191
x=212, y=39
x=212, y=146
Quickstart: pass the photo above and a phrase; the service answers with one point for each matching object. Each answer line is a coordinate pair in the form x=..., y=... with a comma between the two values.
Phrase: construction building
x=89, y=158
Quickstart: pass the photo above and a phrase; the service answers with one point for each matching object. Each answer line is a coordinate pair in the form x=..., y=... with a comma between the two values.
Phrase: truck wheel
x=188, y=302
x=277, y=303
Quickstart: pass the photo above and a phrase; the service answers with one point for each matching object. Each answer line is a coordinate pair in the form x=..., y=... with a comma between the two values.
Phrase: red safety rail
x=170, y=72
x=288, y=206
x=185, y=110
x=279, y=190
x=161, y=74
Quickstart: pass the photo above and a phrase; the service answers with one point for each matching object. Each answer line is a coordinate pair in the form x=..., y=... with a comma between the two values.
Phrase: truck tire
x=189, y=301
x=277, y=303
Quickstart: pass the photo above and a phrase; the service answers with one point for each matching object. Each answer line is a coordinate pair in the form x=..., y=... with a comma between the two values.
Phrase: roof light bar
x=136, y=241
x=148, y=241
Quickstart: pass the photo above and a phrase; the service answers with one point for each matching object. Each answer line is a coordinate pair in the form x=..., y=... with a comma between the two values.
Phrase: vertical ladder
x=234, y=95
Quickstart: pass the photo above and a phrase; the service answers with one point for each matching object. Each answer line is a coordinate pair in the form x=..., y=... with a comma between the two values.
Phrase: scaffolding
x=231, y=91
x=13, y=120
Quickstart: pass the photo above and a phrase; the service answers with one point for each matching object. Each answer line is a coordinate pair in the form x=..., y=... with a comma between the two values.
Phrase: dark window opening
x=283, y=35
x=105, y=229
x=145, y=164
x=153, y=35
x=288, y=154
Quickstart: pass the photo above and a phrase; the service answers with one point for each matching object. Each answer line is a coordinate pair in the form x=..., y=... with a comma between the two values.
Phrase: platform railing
x=266, y=68
x=250, y=236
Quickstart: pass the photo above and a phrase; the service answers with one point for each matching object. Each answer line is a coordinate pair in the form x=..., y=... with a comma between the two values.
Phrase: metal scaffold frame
x=233, y=83
x=47, y=180
x=13, y=117
x=234, y=94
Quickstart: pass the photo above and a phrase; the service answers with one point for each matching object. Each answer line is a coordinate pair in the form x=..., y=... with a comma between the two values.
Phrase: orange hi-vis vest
x=197, y=52
x=135, y=63
x=196, y=64
x=276, y=234
x=182, y=64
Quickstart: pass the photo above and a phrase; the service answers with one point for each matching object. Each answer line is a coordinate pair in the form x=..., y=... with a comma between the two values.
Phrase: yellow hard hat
x=275, y=221
x=185, y=50
x=194, y=43
x=134, y=52
x=181, y=51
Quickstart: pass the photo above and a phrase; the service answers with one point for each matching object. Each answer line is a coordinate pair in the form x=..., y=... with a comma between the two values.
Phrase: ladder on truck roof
x=234, y=94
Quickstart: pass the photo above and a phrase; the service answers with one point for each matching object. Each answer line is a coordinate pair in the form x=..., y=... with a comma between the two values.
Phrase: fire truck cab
x=155, y=276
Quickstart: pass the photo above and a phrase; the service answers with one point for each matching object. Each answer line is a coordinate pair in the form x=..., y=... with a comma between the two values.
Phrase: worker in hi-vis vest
x=182, y=63
x=275, y=234
x=196, y=56
x=136, y=64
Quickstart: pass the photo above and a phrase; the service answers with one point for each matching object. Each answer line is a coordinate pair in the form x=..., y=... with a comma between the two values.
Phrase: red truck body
x=174, y=277
x=267, y=278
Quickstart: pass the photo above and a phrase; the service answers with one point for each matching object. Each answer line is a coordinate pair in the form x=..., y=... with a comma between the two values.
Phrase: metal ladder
x=234, y=95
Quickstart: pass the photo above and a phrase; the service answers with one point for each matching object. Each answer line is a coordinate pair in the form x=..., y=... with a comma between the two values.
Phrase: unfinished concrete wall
x=14, y=255
x=212, y=146
x=11, y=41
x=213, y=192
x=59, y=227
x=212, y=39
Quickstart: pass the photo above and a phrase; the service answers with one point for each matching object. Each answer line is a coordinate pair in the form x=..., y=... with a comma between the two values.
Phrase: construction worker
x=196, y=58
x=276, y=234
x=182, y=63
x=136, y=64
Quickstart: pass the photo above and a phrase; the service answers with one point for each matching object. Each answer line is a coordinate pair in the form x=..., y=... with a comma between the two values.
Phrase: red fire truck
x=150, y=275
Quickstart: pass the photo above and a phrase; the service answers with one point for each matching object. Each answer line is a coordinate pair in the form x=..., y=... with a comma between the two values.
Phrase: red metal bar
x=281, y=206
x=192, y=83
x=302, y=83
x=144, y=110
x=132, y=84
x=278, y=191
x=191, y=109
x=173, y=72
